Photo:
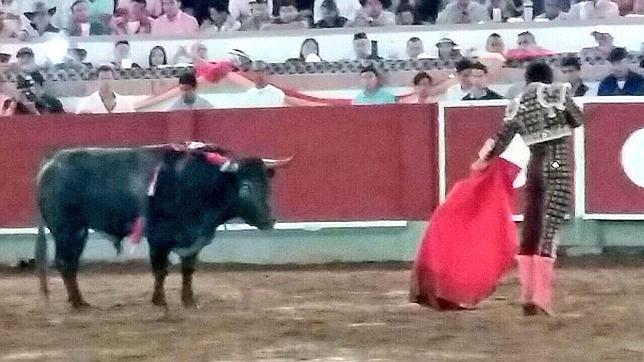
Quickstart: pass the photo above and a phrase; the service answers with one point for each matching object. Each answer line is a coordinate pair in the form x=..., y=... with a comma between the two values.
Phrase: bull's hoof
x=159, y=300
x=189, y=302
x=530, y=309
x=79, y=305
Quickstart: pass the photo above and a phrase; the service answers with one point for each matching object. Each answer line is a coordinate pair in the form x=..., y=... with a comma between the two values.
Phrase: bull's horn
x=272, y=163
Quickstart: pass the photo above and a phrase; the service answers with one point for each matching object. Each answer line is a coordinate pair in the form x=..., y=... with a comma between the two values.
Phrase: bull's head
x=253, y=180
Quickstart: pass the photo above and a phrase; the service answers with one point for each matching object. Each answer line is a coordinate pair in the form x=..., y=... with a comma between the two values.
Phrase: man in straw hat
x=39, y=22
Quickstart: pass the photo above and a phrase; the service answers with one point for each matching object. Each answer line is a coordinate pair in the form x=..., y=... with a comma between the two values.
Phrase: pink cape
x=470, y=242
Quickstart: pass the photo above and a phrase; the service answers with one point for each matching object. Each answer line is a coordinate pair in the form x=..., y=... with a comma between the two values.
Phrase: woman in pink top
x=528, y=48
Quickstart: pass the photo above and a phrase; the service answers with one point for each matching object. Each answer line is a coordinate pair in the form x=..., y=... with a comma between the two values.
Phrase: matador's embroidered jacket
x=542, y=113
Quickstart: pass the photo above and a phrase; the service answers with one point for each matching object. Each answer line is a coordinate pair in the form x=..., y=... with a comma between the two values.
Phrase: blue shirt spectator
x=373, y=92
x=622, y=81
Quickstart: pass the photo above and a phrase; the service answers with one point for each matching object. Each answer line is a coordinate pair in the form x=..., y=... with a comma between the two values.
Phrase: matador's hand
x=487, y=148
x=479, y=165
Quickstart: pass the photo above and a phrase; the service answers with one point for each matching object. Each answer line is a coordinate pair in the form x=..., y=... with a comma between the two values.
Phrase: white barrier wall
x=335, y=44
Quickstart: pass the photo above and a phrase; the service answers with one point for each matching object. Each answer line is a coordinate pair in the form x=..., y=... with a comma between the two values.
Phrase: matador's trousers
x=548, y=195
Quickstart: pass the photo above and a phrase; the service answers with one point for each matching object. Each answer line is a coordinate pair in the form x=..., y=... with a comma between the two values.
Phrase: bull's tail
x=42, y=264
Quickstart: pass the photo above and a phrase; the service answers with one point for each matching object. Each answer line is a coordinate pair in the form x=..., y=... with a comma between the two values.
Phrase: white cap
x=312, y=58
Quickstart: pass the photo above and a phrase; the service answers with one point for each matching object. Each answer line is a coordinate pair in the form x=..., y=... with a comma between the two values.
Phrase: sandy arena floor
x=339, y=313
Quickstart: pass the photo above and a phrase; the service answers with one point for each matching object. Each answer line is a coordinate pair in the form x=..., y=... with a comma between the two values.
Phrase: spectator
x=427, y=10
x=405, y=14
x=622, y=81
x=81, y=25
x=26, y=61
x=75, y=60
x=198, y=54
x=460, y=90
x=527, y=48
x=309, y=51
x=593, y=9
x=362, y=47
x=241, y=9
x=329, y=16
x=415, y=48
x=158, y=57
x=174, y=21
x=134, y=19
x=189, y=98
x=494, y=48
x=625, y=6
x=122, y=55
x=10, y=24
x=12, y=107
x=346, y=9
x=507, y=8
x=218, y=19
x=479, y=85
x=463, y=12
x=605, y=45
x=153, y=7
x=372, y=13
x=552, y=11
x=59, y=19
x=31, y=86
x=4, y=61
x=638, y=8
x=39, y=22
x=422, y=90
x=373, y=92
x=100, y=10
x=289, y=18
x=190, y=7
x=571, y=72
x=9, y=106
x=447, y=50
x=259, y=16
x=105, y=100
x=262, y=94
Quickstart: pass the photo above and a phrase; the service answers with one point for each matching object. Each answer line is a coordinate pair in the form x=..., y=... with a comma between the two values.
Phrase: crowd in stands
x=30, y=19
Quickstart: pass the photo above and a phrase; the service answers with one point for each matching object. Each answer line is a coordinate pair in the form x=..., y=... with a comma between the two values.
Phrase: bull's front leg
x=187, y=269
x=159, y=262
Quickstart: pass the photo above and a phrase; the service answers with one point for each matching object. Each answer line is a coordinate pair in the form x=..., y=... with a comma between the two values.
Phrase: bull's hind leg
x=187, y=269
x=69, y=247
x=159, y=262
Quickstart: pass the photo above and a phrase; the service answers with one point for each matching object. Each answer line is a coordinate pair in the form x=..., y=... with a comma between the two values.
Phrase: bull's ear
x=270, y=172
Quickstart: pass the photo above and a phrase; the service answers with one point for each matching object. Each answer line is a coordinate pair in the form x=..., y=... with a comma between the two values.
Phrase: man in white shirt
x=372, y=13
x=105, y=100
x=593, y=9
x=239, y=9
x=263, y=94
x=346, y=9
x=460, y=90
x=463, y=12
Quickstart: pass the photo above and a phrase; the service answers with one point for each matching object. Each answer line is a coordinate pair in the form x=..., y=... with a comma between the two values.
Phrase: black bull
x=108, y=189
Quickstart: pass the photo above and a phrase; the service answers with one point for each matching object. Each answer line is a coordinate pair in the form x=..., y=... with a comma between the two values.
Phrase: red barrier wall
x=352, y=163
x=608, y=189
